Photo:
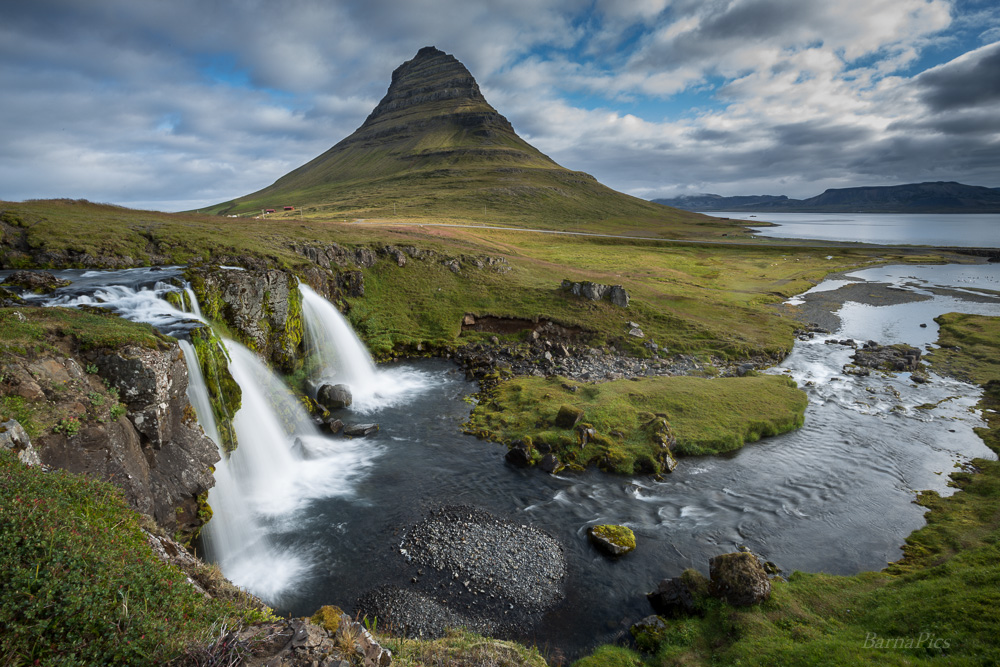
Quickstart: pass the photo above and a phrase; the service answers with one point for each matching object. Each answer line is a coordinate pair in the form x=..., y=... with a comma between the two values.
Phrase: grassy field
x=699, y=299
x=936, y=606
x=632, y=419
x=706, y=300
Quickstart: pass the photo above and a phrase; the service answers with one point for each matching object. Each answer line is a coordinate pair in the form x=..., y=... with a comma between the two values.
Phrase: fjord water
x=966, y=230
x=835, y=496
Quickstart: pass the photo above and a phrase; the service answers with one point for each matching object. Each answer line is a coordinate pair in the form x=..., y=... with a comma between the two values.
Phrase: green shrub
x=70, y=426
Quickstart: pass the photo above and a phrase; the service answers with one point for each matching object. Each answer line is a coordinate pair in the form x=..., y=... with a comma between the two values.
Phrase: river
x=967, y=230
x=835, y=496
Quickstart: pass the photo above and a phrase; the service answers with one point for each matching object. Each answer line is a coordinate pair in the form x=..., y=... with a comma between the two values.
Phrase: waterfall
x=341, y=358
x=282, y=463
x=193, y=301
x=236, y=537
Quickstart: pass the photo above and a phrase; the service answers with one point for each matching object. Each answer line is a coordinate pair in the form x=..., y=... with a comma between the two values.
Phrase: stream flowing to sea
x=835, y=496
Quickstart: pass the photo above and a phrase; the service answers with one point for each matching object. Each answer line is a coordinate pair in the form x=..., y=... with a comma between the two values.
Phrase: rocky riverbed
x=475, y=569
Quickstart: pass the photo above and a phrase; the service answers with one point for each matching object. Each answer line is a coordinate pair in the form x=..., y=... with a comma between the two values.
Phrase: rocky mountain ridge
x=929, y=197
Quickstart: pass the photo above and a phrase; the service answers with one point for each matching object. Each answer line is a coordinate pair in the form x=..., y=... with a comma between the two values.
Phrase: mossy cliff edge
x=100, y=395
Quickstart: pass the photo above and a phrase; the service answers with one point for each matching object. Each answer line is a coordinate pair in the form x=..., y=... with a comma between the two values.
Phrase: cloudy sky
x=175, y=104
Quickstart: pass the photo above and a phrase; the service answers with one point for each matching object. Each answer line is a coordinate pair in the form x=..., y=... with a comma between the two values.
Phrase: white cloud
x=115, y=100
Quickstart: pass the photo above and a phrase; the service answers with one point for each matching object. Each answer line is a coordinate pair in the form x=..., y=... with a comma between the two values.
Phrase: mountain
x=434, y=147
x=931, y=197
x=710, y=202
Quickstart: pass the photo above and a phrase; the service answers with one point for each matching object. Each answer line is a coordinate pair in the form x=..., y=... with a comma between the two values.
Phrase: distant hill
x=931, y=197
x=435, y=148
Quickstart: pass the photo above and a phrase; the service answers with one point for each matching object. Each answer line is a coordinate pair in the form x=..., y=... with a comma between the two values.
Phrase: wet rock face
x=739, y=579
x=893, y=358
x=334, y=396
x=263, y=307
x=39, y=282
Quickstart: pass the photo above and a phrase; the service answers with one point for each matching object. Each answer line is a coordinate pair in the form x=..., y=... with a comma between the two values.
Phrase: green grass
x=715, y=300
x=27, y=328
x=80, y=584
x=936, y=606
x=460, y=648
x=968, y=347
x=633, y=417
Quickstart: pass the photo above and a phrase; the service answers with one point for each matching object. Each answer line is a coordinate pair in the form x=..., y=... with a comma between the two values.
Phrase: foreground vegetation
x=81, y=586
x=937, y=605
x=630, y=423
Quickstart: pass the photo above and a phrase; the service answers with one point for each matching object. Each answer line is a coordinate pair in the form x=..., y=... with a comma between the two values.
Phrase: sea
x=965, y=230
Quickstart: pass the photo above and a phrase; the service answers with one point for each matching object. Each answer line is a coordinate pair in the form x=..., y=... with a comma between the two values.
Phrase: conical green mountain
x=434, y=147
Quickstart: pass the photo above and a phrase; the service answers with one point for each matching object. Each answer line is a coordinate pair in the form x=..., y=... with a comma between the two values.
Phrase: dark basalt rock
x=892, y=358
x=155, y=452
x=518, y=457
x=335, y=396
x=39, y=282
x=360, y=430
x=672, y=597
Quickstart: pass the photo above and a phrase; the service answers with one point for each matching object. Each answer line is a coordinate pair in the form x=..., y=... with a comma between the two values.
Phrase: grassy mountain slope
x=435, y=148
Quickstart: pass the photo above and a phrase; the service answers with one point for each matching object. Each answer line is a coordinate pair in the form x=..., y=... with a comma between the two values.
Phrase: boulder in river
x=334, y=396
x=678, y=596
x=739, y=579
x=39, y=282
x=612, y=540
x=519, y=457
x=356, y=430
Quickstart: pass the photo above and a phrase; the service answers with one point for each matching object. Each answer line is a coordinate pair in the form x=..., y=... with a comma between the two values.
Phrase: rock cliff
x=263, y=308
x=119, y=413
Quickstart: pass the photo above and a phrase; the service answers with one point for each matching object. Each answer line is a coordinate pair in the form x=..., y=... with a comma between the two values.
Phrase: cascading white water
x=343, y=359
x=250, y=483
x=193, y=300
x=281, y=462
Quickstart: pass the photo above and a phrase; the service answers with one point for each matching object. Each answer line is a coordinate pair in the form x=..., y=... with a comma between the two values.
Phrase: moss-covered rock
x=262, y=308
x=611, y=539
x=739, y=579
x=568, y=416
x=329, y=617
x=649, y=633
x=224, y=393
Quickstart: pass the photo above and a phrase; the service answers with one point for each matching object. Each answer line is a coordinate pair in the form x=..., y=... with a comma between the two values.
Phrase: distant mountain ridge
x=929, y=197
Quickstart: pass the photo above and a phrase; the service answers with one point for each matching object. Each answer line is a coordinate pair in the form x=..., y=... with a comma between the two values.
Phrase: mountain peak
x=435, y=147
x=432, y=76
